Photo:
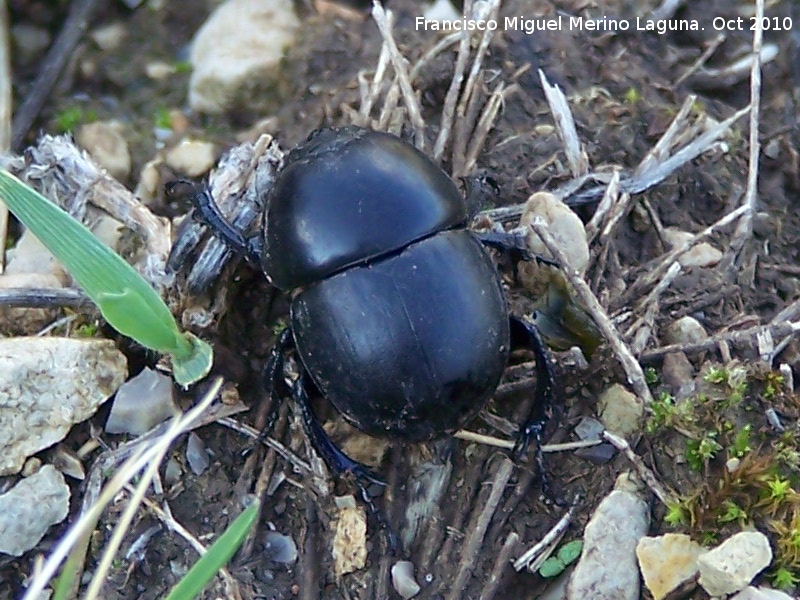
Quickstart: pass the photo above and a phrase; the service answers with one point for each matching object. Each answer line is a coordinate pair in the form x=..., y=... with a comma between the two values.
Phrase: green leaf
x=125, y=300
x=216, y=557
x=552, y=567
x=570, y=551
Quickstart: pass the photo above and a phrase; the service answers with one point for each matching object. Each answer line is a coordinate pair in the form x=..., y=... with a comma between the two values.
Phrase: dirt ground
x=623, y=93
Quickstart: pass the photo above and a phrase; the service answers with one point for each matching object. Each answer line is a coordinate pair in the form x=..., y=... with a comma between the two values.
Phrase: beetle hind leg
x=209, y=213
x=337, y=460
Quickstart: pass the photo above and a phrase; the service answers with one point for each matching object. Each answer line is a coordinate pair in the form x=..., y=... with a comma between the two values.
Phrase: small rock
x=141, y=403
x=349, y=540
x=29, y=509
x=667, y=562
x=30, y=256
x=678, y=373
x=403, y=579
x=280, y=548
x=620, y=411
x=702, y=254
x=761, y=593
x=363, y=448
x=172, y=472
x=150, y=183
x=29, y=41
x=159, y=70
x=196, y=454
x=564, y=225
x=241, y=41
x=686, y=330
x=441, y=10
x=607, y=568
x=106, y=145
x=109, y=37
x=27, y=321
x=589, y=428
x=732, y=565
x=192, y=157
x=46, y=386
x=66, y=461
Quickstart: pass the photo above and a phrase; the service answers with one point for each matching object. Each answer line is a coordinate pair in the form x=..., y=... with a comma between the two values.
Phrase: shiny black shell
x=398, y=314
x=347, y=195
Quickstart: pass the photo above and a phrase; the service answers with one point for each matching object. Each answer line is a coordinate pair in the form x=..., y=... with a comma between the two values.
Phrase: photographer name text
x=605, y=24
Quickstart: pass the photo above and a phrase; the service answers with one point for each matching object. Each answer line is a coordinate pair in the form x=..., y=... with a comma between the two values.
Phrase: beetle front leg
x=211, y=215
x=525, y=335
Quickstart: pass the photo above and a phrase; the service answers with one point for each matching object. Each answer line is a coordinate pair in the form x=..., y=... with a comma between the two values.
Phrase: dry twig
x=632, y=369
x=661, y=492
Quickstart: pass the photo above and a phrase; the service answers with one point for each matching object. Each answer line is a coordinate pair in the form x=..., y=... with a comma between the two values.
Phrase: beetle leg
x=514, y=243
x=211, y=215
x=524, y=334
x=272, y=371
x=338, y=461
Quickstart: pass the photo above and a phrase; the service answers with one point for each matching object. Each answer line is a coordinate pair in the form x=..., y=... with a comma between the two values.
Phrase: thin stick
x=479, y=438
x=632, y=369
x=565, y=125
x=666, y=496
x=81, y=12
x=385, y=20
x=5, y=116
x=549, y=540
x=477, y=534
x=744, y=230
x=500, y=565
x=449, y=108
x=745, y=336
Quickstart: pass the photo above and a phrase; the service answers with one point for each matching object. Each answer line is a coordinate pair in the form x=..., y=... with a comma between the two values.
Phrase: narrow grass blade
x=126, y=300
x=217, y=556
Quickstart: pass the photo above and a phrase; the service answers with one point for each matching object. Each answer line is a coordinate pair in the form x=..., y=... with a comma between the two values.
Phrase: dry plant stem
x=449, y=108
x=471, y=436
x=384, y=19
x=661, y=150
x=476, y=535
x=500, y=565
x=707, y=53
x=468, y=103
x=166, y=517
x=287, y=454
x=632, y=369
x=744, y=230
x=5, y=116
x=426, y=58
x=746, y=336
x=666, y=496
x=75, y=26
x=654, y=275
x=565, y=124
x=142, y=456
x=648, y=306
x=485, y=124
x=371, y=97
x=610, y=199
x=549, y=540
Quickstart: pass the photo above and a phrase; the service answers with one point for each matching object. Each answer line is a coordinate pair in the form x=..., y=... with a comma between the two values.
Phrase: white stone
x=702, y=254
x=619, y=410
x=29, y=509
x=240, y=41
x=732, y=565
x=403, y=579
x=607, y=569
x=109, y=37
x=192, y=157
x=47, y=385
x=761, y=593
x=667, y=562
x=106, y=145
x=562, y=223
x=686, y=330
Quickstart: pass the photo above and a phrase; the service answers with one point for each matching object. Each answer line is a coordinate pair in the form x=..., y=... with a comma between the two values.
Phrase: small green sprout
x=779, y=489
x=125, y=299
x=716, y=375
x=699, y=452
x=163, y=118
x=733, y=513
x=651, y=376
x=784, y=579
x=567, y=554
x=69, y=118
x=677, y=515
x=741, y=442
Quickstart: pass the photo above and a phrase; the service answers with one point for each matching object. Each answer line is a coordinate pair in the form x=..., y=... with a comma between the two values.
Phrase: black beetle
x=397, y=314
